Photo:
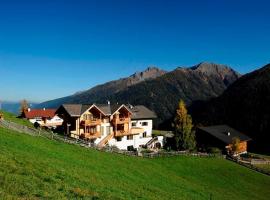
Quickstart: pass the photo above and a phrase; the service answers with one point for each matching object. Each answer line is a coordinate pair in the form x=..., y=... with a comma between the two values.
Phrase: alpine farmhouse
x=124, y=126
x=43, y=117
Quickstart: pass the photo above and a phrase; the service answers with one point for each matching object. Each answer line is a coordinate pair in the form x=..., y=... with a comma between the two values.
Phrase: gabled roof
x=74, y=110
x=137, y=112
x=141, y=112
x=86, y=107
x=105, y=108
x=224, y=133
x=39, y=113
x=114, y=107
x=117, y=107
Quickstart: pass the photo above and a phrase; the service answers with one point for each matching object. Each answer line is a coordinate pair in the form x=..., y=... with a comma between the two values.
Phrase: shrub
x=214, y=150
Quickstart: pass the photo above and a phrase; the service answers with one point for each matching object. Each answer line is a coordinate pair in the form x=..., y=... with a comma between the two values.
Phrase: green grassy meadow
x=38, y=168
x=13, y=118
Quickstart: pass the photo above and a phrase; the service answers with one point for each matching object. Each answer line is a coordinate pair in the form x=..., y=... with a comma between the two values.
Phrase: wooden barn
x=221, y=136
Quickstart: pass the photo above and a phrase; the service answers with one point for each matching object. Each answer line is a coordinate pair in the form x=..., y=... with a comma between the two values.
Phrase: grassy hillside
x=33, y=167
x=13, y=118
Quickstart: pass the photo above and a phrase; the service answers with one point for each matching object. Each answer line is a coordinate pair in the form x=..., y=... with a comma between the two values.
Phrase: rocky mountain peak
x=226, y=73
x=150, y=72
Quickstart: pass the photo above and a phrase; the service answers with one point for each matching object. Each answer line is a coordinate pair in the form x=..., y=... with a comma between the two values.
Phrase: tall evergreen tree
x=184, y=135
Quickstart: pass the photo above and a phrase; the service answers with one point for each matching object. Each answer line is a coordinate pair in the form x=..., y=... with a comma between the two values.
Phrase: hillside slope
x=34, y=167
x=245, y=105
x=161, y=93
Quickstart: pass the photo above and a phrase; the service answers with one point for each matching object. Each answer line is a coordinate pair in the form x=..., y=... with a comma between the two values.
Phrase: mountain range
x=159, y=90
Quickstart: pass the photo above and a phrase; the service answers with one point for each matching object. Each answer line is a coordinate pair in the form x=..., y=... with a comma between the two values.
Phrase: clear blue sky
x=54, y=48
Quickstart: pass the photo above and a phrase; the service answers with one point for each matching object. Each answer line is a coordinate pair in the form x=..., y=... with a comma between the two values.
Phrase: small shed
x=221, y=136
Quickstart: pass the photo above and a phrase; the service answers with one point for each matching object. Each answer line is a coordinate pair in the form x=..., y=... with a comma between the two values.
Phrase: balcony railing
x=136, y=130
x=121, y=133
x=121, y=120
x=132, y=131
x=91, y=135
x=91, y=122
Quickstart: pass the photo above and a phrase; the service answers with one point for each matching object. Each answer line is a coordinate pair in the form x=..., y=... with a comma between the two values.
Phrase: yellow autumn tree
x=184, y=135
x=235, y=144
x=24, y=106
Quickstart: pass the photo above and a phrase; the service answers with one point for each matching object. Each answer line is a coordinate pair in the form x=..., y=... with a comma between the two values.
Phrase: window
x=118, y=139
x=145, y=123
x=144, y=134
x=133, y=124
x=130, y=148
x=130, y=137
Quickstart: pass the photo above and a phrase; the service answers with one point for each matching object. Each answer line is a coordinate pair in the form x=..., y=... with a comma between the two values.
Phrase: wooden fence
x=248, y=165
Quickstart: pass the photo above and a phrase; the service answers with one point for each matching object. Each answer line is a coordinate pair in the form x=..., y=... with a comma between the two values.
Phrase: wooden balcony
x=132, y=131
x=136, y=130
x=91, y=135
x=121, y=120
x=121, y=133
x=93, y=122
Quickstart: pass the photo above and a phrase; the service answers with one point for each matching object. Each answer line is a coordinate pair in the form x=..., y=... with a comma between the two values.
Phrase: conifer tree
x=184, y=135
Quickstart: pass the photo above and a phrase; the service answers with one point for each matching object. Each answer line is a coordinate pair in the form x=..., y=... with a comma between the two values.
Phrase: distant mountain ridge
x=157, y=89
x=14, y=107
x=245, y=105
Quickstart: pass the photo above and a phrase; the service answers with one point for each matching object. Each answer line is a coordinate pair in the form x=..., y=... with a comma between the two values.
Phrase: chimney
x=28, y=109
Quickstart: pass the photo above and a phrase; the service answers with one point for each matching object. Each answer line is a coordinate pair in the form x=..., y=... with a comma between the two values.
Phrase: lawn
x=265, y=167
x=38, y=168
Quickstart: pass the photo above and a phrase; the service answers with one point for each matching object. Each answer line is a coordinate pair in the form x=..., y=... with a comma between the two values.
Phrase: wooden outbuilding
x=221, y=136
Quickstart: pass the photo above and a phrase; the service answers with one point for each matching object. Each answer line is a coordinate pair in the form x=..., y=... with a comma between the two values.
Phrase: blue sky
x=53, y=48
